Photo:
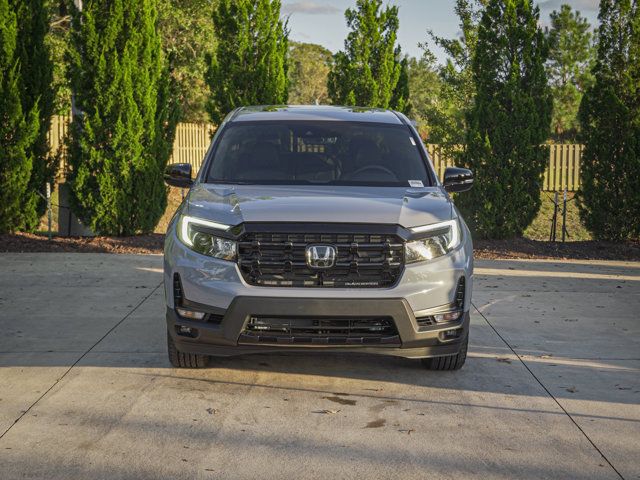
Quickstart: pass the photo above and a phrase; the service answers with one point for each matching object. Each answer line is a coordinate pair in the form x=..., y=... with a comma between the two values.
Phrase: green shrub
x=122, y=133
x=36, y=80
x=18, y=128
x=609, y=197
x=370, y=71
x=509, y=121
x=249, y=65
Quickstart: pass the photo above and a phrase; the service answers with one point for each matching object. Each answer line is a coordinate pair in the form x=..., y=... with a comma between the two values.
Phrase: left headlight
x=194, y=233
x=439, y=239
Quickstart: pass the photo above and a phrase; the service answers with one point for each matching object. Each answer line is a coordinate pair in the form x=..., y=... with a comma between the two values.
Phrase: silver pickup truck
x=318, y=229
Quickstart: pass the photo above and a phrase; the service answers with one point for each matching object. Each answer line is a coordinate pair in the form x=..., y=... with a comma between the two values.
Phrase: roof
x=315, y=112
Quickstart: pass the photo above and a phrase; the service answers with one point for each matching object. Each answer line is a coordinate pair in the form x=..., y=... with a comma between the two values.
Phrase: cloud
x=581, y=5
x=309, y=7
x=301, y=35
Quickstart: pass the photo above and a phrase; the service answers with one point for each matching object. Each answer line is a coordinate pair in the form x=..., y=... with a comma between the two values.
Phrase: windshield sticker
x=416, y=183
x=413, y=142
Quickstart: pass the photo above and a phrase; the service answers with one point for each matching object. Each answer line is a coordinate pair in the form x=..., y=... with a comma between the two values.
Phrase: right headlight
x=191, y=231
x=439, y=239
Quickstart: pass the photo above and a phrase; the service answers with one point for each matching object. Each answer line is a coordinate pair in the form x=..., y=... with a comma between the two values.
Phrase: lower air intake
x=321, y=331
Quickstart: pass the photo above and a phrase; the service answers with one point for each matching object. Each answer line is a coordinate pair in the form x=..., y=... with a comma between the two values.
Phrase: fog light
x=184, y=331
x=447, y=317
x=190, y=314
x=450, y=334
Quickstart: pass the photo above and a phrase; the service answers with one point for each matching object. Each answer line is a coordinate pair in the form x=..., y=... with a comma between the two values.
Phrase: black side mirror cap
x=457, y=179
x=178, y=175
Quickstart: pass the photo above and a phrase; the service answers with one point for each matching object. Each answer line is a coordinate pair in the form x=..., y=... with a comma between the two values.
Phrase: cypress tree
x=249, y=64
x=36, y=78
x=609, y=198
x=18, y=128
x=509, y=121
x=370, y=71
x=122, y=135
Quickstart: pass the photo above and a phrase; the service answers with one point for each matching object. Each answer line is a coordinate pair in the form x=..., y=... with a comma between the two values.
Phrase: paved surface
x=551, y=388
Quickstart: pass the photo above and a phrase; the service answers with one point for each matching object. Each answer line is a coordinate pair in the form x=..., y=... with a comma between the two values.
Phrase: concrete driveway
x=551, y=388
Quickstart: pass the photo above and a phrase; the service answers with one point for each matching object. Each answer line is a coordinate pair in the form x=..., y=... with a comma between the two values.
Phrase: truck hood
x=235, y=204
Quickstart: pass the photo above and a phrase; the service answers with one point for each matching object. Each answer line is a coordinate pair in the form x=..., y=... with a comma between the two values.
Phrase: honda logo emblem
x=321, y=256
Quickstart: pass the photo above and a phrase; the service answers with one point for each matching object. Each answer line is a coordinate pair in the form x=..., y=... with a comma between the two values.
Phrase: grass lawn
x=173, y=202
x=541, y=226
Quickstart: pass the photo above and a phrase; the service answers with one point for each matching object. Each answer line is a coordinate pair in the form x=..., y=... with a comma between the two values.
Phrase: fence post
x=545, y=182
x=49, y=214
x=578, y=160
x=564, y=215
x=554, y=220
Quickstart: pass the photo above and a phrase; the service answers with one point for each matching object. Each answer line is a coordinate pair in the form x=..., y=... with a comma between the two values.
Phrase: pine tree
x=36, y=75
x=609, y=197
x=249, y=65
x=369, y=71
x=122, y=134
x=18, y=128
x=568, y=68
x=509, y=121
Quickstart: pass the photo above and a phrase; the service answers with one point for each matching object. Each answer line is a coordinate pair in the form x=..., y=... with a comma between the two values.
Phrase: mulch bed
x=519, y=248
x=28, y=242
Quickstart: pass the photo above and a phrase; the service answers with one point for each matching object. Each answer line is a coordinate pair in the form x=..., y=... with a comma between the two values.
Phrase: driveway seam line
x=79, y=359
x=548, y=391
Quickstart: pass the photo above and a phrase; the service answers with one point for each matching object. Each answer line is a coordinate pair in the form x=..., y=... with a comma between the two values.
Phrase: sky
x=322, y=21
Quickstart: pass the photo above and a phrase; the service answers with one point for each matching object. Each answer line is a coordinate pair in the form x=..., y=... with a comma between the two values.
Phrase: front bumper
x=225, y=338
x=217, y=287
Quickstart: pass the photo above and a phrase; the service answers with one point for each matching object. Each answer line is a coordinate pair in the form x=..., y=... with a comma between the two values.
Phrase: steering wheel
x=377, y=168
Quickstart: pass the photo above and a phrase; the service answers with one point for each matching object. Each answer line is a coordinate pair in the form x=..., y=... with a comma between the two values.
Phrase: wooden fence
x=563, y=169
x=192, y=141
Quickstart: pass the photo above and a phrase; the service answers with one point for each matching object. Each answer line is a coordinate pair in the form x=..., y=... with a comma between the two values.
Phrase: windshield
x=328, y=153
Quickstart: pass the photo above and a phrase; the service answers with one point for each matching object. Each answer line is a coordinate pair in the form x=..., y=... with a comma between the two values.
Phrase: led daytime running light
x=186, y=220
x=452, y=224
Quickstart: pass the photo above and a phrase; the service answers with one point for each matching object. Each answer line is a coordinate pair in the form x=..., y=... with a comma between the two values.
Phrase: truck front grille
x=364, y=260
x=320, y=330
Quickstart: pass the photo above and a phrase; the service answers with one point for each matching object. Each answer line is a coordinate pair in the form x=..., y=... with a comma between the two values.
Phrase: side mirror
x=178, y=175
x=457, y=179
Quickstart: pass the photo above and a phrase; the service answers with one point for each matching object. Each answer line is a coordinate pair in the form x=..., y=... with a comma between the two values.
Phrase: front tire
x=450, y=362
x=184, y=360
